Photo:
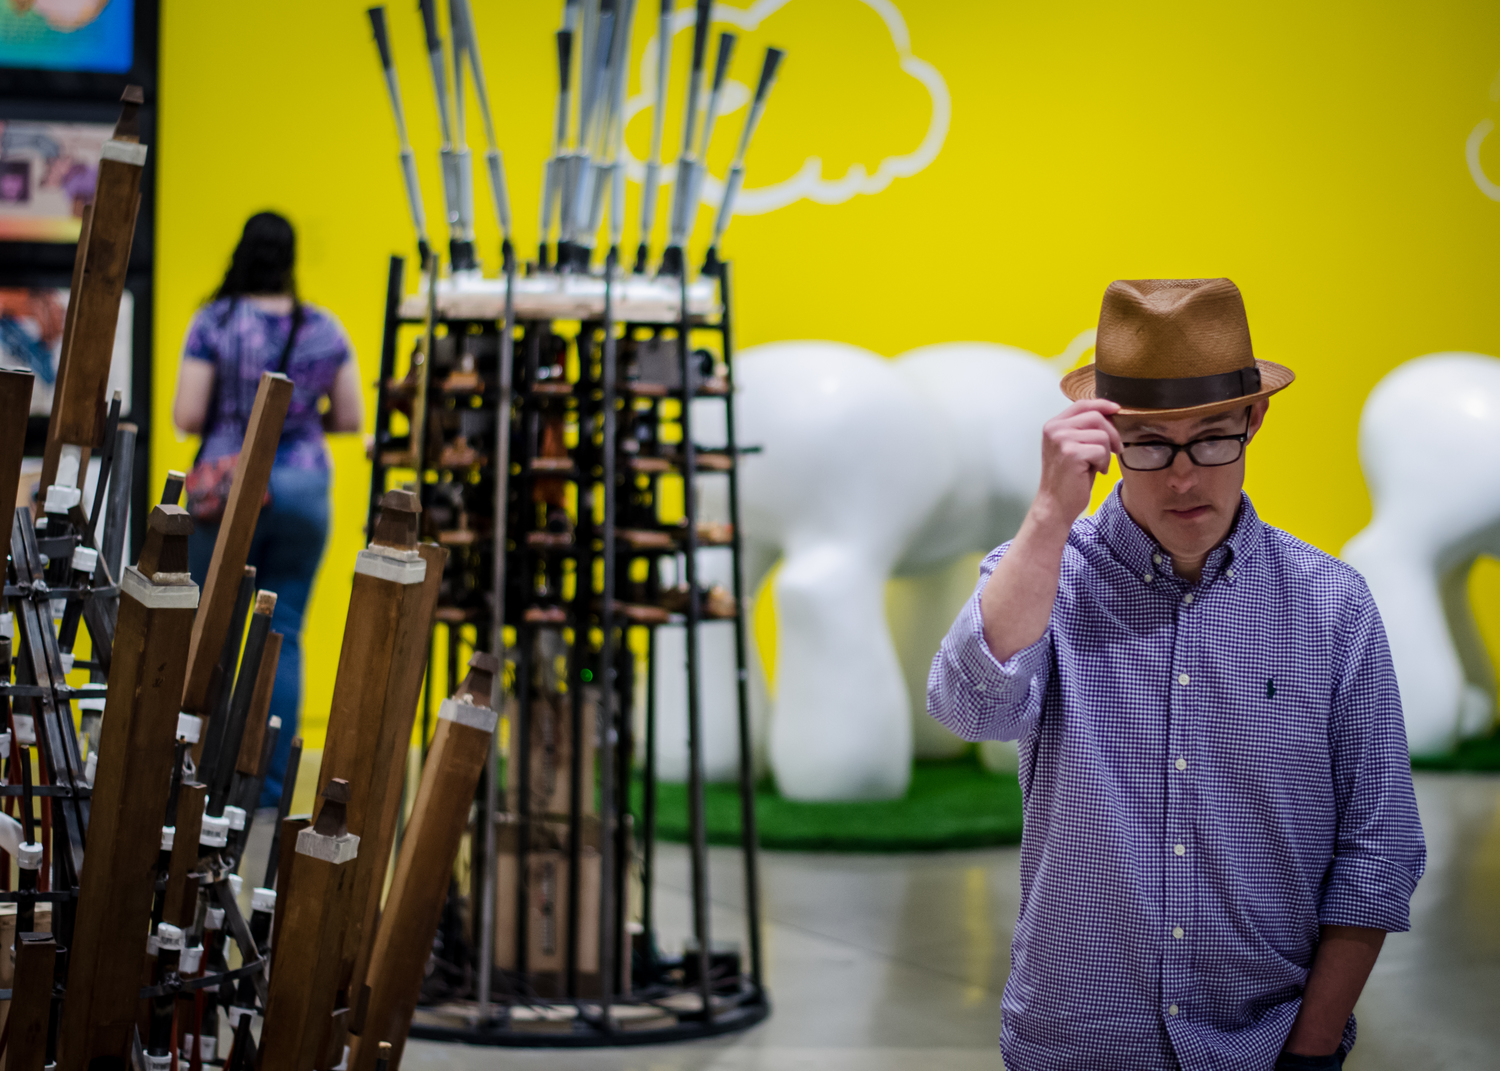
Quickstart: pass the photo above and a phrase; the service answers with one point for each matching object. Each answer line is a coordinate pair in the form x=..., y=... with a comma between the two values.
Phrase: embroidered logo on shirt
x=1270, y=689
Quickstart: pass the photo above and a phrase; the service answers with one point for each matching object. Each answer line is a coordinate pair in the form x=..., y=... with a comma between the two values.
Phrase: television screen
x=47, y=175
x=68, y=35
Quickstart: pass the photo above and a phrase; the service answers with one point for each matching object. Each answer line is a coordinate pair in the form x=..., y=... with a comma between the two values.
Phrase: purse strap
x=212, y=418
x=291, y=338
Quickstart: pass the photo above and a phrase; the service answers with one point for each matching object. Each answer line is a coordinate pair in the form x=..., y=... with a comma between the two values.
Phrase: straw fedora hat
x=1177, y=348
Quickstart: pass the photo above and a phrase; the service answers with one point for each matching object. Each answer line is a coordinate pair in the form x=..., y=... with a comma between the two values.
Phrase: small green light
x=587, y=675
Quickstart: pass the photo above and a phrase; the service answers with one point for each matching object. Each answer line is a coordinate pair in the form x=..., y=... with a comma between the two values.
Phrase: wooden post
x=375, y=696
x=403, y=939
x=180, y=904
x=285, y=849
x=248, y=762
x=380, y=828
x=15, y=406
x=131, y=784
x=251, y=477
x=304, y=975
x=31, y=1006
x=99, y=267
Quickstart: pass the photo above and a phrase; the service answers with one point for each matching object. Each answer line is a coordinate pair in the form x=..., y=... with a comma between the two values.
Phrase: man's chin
x=1197, y=529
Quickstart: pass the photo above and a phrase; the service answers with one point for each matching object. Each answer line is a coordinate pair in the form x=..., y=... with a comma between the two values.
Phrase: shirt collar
x=1142, y=555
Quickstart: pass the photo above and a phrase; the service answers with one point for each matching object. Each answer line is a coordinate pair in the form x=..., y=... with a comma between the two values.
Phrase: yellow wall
x=1315, y=153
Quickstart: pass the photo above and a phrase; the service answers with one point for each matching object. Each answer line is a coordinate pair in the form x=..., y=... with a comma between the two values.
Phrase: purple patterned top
x=246, y=342
x=1210, y=771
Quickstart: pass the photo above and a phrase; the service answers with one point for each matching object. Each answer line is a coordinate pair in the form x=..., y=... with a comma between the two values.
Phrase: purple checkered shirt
x=1211, y=771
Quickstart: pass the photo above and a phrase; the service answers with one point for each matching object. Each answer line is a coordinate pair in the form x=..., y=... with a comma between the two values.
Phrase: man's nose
x=1183, y=474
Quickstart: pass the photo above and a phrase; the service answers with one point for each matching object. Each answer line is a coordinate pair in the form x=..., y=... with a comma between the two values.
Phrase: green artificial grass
x=956, y=804
x=1480, y=754
x=952, y=804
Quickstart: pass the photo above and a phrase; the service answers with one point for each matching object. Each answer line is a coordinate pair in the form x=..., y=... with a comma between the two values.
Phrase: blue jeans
x=285, y=550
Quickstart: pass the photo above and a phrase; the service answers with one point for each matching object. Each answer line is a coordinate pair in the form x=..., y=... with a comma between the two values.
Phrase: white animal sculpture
x=868, y=469
x=1429, y=443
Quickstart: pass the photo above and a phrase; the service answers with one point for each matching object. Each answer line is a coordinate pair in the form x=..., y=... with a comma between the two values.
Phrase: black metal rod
x=117, y=505
x=609, y=733
x=220, y=772
x=393, y=285
x=749, y=838
x=697, y=833
x=246, y=791
x=583, y=592
x=283, y=808
x=489, y=802
x=42, y=666
x=106, y=465
x=522, y=766
x=221, y=689
x=648, y=813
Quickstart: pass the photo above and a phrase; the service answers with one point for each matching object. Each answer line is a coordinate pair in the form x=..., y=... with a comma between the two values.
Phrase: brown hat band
x=1133, y=393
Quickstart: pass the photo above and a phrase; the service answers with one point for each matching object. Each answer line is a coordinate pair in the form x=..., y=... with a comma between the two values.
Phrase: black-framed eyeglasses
x=1208, y=452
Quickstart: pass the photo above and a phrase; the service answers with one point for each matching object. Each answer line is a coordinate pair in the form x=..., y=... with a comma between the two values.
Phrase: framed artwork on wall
x=47, y=175
x=68, y=35
x=31, y=328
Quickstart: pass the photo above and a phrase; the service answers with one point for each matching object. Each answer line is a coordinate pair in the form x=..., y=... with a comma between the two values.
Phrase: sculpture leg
x=1407, y=590
x=842, y=725
x=1476, y=715
x=921, y=608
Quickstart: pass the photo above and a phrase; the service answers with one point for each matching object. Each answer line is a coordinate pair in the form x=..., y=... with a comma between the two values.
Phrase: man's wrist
x=1048, y=520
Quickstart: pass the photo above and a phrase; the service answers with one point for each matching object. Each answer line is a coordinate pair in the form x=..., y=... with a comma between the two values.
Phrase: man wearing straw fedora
x=1220, y=826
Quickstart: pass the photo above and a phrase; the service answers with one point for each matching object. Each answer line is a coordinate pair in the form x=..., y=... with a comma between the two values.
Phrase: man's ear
x=1258, y=416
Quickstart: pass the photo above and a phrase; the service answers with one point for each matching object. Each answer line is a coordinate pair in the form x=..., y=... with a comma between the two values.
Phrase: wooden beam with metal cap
x=252, y=475
x=403, y=939
x=88, y=342
x=396, y=729
x=301, y=1009
x=131, y=784
x=375, y=695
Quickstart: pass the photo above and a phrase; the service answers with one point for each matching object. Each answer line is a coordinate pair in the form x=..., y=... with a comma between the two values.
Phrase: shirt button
x=1179, y=850
x=1229, y=572
x=1187, y=600
x=1181, y=764
x=1171, y=1009
x=1182, y=678
x=1156, y=558
x=1177, y=932
x=1146, y=578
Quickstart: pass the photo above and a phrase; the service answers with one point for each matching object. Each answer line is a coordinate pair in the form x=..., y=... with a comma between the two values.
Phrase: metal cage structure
x=544, y=424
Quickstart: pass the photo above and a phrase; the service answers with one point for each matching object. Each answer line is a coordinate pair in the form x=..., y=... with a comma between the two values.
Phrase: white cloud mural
x=1471, y=149
x=809, y=182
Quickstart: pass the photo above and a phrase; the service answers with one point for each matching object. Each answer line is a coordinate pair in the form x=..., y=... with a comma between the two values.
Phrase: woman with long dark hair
x=254, y=324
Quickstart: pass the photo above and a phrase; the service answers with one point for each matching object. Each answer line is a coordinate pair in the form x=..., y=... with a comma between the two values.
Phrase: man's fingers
x=1102, y=437
x=1096, y=455
x=1092, y=405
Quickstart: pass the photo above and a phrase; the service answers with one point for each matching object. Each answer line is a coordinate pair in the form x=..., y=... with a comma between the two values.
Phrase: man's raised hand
x=1076, y=447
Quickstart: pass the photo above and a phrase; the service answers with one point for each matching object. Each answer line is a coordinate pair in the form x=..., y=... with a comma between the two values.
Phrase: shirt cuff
x=1368, y=891
x=985, y=674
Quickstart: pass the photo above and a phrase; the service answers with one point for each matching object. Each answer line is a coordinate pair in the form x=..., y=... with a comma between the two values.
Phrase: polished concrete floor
x=897, y=961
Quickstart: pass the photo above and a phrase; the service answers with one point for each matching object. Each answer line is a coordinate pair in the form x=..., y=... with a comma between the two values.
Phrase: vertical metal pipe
x=697, y=833
x=393, y=285
x=501, y=470
x=608, y=811
x=749, y=839
x=579, y=779
x=521, y=760
x=648, y=812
